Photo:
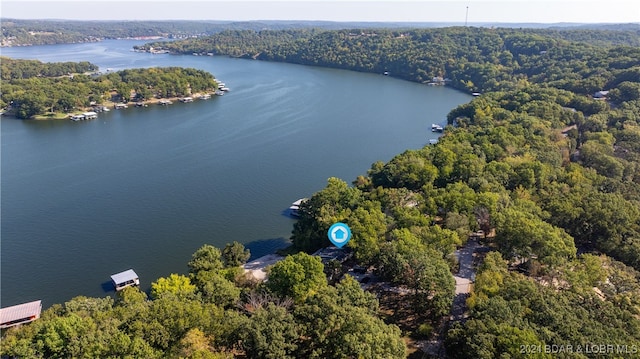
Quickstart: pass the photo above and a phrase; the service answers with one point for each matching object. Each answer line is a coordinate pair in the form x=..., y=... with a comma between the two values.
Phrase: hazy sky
x=617, y=11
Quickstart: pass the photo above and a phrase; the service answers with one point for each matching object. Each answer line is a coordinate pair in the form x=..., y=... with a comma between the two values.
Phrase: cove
x=143, y=188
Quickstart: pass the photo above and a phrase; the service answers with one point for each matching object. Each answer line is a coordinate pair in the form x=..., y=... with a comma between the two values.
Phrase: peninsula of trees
x=545, y=163
x=472, y=59
x=30, y=87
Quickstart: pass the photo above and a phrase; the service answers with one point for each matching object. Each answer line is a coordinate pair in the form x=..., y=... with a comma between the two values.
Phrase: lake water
x=143, y=188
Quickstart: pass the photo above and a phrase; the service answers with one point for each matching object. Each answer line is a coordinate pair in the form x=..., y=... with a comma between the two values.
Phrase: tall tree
x=297, y=276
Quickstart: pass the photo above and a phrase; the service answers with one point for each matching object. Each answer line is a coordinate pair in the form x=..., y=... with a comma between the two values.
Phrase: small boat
x=294, y=209
x=165, y=102
x=436, y=128
x=224, y=89
x=186, y=99
x=205, y=97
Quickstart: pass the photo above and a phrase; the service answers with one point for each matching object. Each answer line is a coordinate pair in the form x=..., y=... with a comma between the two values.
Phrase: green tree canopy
x=297, y=276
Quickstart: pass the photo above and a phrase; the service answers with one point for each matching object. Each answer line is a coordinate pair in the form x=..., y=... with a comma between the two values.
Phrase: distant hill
x=19, y=32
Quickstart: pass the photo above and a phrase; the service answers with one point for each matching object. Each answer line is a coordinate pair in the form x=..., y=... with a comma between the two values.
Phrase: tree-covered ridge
x=18, y=32
x=514, y=316
x=473, y=59
x=547, y=174
x=31, y=88
x=217, y=312
x=13, y=69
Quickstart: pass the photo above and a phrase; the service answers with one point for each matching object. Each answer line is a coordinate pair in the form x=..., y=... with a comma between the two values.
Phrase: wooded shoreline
x=53, y=90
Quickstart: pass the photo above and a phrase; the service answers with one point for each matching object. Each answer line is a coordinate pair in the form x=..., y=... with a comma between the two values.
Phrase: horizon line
x=326, y=21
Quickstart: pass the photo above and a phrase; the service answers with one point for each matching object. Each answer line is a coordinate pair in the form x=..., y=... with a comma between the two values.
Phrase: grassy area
x=51, y=116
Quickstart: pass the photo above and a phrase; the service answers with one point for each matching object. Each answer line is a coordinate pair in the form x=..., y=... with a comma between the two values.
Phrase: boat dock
x=125, y=279
x=84, y=116
x=20, y=314
x=294, y=209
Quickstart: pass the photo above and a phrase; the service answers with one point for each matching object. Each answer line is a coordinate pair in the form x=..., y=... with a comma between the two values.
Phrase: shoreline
x=109, y=105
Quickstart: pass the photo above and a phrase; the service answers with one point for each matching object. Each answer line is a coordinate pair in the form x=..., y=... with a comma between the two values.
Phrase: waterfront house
x=125, y=279
x=20, y=314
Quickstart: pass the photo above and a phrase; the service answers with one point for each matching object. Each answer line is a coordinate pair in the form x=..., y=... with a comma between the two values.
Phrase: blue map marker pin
x=339, y=234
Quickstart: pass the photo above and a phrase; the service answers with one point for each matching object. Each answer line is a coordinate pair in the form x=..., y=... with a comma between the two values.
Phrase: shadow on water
x=288, y=213
x=107, y=287
x=262, y=247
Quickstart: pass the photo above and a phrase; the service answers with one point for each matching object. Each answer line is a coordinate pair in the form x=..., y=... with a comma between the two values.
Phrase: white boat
x=436, y=128
x=294, y=209
x=205, y=97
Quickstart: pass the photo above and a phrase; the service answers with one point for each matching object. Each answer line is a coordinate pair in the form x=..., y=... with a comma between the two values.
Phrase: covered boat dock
x=20, y=314
x=125, y=279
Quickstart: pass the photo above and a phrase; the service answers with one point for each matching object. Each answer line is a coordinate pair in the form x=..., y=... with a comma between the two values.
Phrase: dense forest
x=22, y=32
x=215, y=312
x=471, y=59
x=30, y=87
x=545, y=172
x=17, y=32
